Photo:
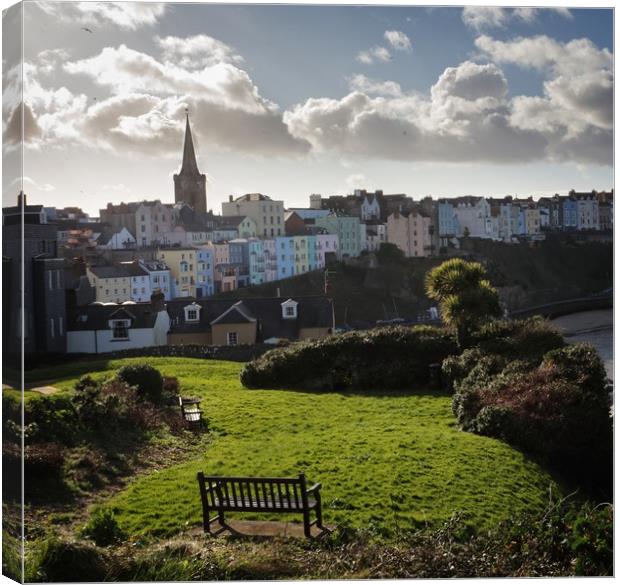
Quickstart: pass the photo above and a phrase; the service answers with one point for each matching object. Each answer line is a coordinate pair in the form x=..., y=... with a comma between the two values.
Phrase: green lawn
x=391, y=461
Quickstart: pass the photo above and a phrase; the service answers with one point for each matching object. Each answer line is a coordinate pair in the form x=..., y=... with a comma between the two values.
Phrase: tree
x=466, y=298
x=390, y=254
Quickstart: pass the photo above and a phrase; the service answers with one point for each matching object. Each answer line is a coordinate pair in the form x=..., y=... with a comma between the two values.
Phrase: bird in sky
x=87, y=30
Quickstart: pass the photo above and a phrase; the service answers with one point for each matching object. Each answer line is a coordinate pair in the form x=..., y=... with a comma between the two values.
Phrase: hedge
x=559, y=411
x=388, y=358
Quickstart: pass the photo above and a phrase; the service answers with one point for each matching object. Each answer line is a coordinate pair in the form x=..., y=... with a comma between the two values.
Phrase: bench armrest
x=315, y=488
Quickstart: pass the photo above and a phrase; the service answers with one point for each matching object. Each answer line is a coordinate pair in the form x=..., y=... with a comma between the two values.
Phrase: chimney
x=278, y=292
x=157, y=302
x=21, y=200
x=230, y=198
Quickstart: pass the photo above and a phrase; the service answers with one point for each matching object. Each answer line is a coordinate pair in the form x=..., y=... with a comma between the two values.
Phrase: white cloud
x=487, y=17
x=542, y=52
x=125, y=15
x=374, y=54
x=356, y=181
x=578, y=90
x=124, y=71
x=28, y=182
x=144, y=114
x=196, y=52
x=118, y=187
x=468, y=117
x=398, y=40
x=364, y=84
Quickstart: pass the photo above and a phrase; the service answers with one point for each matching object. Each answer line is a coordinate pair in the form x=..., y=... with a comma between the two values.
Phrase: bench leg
x=220, y=519
x=307, y=531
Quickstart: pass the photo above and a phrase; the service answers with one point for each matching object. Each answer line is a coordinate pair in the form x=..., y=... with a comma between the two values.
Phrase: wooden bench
x=190, y=411
x=259, y=494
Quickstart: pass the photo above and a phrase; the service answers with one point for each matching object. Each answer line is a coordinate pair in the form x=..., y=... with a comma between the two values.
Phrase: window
x=192, y=315
x=58, y=279
x=52, y=328
x=60, y=326
x=143, y=228
x=232, y=338
x=49, y=279
x=120, y=329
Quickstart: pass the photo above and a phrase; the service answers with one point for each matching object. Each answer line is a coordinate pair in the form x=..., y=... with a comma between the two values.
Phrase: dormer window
x=120, y=328
x=289, y=309
x=192, y=313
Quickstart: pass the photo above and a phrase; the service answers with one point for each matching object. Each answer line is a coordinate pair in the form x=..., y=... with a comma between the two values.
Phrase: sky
x=294, y=100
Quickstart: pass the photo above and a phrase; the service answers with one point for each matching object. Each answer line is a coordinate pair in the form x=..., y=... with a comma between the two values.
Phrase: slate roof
x=107, y=234
x=96, y=317
x=109, y=271
x=238, y=313
x=229, y=221
x=312, y=312
x=134, y=269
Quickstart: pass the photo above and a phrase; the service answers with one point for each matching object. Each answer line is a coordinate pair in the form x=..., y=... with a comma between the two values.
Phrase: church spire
x=189, y=166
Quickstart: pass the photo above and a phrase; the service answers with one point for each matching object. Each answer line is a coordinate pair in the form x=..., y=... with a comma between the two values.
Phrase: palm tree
x=466, y=298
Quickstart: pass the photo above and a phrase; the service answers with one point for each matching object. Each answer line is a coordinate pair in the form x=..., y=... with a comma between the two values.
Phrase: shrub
x=84, y=383
x=559, y=411
x=519, y=339
x=384, y=358
x=103, y=528
x=66, y=561
x=53, y=419
x=146, y=379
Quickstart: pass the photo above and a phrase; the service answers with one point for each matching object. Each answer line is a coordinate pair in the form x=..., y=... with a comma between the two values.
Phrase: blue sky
x=293, y=100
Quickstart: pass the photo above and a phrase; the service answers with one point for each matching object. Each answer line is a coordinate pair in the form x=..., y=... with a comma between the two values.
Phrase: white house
x=139, y=282
x=108, y=327
x=119, y=238
x=473, y=214
x=159, y=277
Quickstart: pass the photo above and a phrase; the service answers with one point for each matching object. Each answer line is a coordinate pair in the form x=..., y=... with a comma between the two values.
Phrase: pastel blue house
x=447, y=218
x=312, y=256
x=205, y=264
x=239, y=254
x=285, y=256
x=256, y=261
x=569, y=212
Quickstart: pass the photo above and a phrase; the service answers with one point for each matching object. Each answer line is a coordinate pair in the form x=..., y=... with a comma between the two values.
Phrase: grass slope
x=388, y=461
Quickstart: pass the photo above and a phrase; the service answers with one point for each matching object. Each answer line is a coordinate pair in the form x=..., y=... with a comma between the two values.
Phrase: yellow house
x=267, y=214
x=112, y=284
x=183, y=266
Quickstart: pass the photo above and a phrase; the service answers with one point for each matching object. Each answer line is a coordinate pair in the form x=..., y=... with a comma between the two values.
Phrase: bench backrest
x=254, y=493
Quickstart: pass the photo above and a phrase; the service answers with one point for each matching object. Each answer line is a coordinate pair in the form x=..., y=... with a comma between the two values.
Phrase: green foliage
x=11, y=555
x=147, y=380
x=102, y=528
x=380, y=359
x=66, y=561
x=518, y=339
x=558, y=411
x=466, y=299
x=52, y=418
x=519, y=345
x=390, y=254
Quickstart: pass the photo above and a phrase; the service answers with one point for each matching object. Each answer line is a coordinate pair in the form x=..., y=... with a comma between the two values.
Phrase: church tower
x=189, y=185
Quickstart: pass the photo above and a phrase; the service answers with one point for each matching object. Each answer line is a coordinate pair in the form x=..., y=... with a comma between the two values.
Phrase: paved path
x=595, y=327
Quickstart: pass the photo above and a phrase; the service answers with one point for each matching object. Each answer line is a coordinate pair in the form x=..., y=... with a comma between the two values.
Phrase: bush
x=527, y=339
x=146, y=379
x=385, y=358
x=558, y=411
x=103, y=528
x=66, y=561
x=107, y=410
x=51, y=419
